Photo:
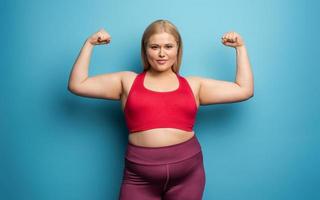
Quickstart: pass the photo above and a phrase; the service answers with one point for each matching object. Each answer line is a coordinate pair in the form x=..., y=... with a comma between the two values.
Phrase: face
x=162, y=50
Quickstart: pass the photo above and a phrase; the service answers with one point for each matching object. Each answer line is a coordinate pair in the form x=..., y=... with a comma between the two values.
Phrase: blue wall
x=55, y=145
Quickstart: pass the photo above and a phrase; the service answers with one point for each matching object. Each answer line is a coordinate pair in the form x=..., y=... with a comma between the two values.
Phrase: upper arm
x=105, y=86
x=213, y=91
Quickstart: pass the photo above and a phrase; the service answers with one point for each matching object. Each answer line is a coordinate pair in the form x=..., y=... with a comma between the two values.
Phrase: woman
x=163, y=158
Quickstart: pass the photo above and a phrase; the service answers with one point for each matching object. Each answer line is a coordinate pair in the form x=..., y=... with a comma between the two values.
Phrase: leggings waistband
x=163, y=155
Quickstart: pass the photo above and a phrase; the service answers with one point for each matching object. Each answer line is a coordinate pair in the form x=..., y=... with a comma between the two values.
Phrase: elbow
x=249, y=94
x=75, y=87
x=71, y=88
x=246, y=92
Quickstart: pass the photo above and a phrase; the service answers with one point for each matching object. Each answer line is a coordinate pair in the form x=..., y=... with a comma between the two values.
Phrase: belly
x=160, y=137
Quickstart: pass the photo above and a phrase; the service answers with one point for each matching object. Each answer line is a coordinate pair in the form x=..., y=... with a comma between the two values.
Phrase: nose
x=161, y=53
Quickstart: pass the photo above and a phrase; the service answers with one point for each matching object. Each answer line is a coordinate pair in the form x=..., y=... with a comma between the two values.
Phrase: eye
x=154, y=47
x=169, y=46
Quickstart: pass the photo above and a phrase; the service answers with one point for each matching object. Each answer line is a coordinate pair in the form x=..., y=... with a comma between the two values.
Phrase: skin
x=162, y=46
x=160, y=77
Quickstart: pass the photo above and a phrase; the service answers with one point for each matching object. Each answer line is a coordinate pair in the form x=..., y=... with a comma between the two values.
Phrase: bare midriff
x=159, y=137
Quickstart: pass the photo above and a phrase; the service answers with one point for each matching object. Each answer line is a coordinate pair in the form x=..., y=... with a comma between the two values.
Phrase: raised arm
x=217, y=91
x=106, y=86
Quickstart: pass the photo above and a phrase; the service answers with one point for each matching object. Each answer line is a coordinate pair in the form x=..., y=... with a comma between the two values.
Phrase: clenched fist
x=232, y=39
x=100, y=37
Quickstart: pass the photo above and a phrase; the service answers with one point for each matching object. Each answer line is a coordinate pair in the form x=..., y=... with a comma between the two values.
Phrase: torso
x=160, y=136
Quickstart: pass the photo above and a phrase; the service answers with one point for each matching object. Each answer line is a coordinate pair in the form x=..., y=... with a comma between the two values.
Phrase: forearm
x=80, y=68
x=244, y=76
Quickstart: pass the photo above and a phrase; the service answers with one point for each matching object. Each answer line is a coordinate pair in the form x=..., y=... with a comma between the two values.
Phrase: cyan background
x=55, y=145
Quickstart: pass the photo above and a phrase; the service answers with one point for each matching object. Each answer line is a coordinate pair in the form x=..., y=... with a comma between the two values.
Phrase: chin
x=161, y=68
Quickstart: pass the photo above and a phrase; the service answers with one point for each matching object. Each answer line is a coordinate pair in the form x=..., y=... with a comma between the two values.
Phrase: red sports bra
x=147, y=109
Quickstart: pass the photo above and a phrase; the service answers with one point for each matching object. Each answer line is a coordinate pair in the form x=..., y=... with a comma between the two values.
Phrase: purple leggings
x=174, y=172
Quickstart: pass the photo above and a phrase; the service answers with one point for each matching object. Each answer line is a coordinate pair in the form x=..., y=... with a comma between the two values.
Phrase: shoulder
x=198, y=80
x=127, y=78
x=128, y=75
x=122, y=76
x=193, y=80
x=194, y=83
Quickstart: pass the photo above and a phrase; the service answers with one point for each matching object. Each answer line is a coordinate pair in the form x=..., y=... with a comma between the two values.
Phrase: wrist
x=240, y=47
x=87, y=43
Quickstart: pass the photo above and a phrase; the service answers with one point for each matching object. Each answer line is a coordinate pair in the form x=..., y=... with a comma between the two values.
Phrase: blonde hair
x=160, y=26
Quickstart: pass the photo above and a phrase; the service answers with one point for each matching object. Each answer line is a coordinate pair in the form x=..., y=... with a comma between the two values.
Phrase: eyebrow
x=164, y=44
